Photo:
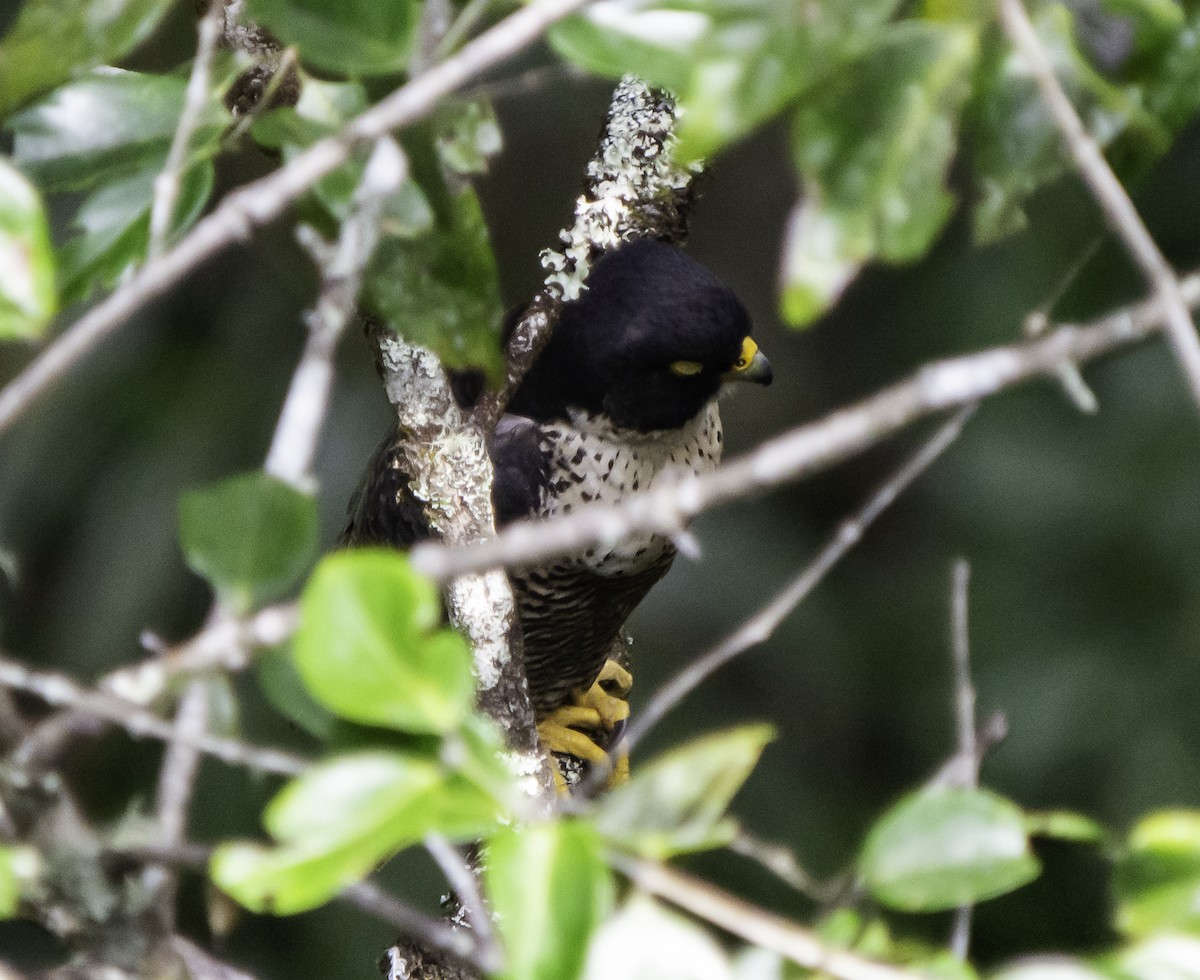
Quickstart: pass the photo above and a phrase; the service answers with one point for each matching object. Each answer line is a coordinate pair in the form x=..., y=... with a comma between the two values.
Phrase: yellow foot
x=580, y=727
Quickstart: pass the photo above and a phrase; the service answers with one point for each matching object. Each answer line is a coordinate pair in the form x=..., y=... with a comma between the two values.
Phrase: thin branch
x=782, y=863
x=434, y=933
x=60, y=691
x=463, y=880
x=737, y=916
x=166, y=184
x=224, y=643
x=342, y=265
x=176, y=783
x=1037, y=322
x=803, y=451
x=1118, y=209
x=967, y=746
x=759, y=627
x=265, y=199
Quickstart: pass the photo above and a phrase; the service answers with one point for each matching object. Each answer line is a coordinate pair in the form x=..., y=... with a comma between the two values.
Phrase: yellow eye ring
x=686, y=368
x=746, y=357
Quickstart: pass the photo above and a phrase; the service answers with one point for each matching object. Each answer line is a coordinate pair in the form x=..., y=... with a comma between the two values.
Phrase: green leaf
x=19, y=867
x=280, y=682
x=27, y=295
x=252, y=536
x=53, y=39
x=1160, y=958
x=1051, y=968
x=942, y=848
x=873, y=146
x=468, y=134
x=550, y=889
x=647, y=940
x=104, y=126
x=348, y=37
x=370, y=647
x=1016, y=146
x=1065, y=825
x=1157, y=878
x=677, y=803
x=442, y=290
x=112, y=228
x=338, y=821
x=731, y=63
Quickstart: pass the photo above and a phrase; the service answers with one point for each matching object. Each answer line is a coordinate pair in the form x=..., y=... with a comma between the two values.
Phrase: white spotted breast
x=590, y=459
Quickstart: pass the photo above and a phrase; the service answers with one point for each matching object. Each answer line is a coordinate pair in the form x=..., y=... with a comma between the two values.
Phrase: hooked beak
x=751, y=365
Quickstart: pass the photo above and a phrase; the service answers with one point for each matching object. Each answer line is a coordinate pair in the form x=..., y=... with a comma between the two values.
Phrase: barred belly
x=570, y=617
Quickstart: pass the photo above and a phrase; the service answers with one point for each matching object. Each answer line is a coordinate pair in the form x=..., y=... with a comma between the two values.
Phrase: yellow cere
x=749, y=349
x=687, y=368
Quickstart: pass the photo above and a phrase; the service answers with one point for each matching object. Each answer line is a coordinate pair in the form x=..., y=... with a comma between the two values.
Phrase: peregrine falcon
x=623, y=397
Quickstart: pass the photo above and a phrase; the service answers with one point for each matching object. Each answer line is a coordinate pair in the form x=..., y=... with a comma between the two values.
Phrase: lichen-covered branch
x=633, y=189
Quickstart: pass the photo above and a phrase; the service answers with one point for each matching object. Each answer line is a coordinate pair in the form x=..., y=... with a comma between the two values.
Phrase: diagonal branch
x=808, y=449
x=793, y=942
x=759, y=627
x=1118, y=209
x=265, y=199
x=60, y=691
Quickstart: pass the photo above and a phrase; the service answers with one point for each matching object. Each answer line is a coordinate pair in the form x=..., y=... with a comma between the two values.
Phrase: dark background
x=1082, y=531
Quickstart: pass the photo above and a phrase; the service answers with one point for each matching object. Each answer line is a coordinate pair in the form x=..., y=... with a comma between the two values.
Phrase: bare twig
x=166, y=184
x=463, y=879
x=967, y=746
x=224, y=643
x=265, y=199
x=759, y=627
x=60, y=691
x=805, y=450
x=200, y=964
x=782, y=863
x=1118, y=209
x=176, y=782
x=431, y=932
x=1037, y=322
x=342, y=264
x=755, y=925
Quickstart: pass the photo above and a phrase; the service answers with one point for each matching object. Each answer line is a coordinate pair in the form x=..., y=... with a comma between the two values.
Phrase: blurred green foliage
x=915, y=136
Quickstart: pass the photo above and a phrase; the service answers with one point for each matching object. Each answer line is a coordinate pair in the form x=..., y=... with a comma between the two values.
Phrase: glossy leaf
x=371, y=647
x=1016, y=147
x=442, y=290
x=645, y=939
x=252, y=536
x=341, y=819
x=104, y=126
x=54, y=39
x=112, y=228
x=873, y=146
x=942, y=848
x=27, y=296
x=550, y=889
x=349, y=37
x=677, y=803
x=1157, y=878
x=731, y=63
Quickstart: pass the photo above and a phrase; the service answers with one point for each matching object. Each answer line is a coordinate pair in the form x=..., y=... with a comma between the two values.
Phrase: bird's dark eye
x=686, y=368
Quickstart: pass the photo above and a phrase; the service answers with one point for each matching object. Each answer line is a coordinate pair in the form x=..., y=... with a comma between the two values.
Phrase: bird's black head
x=648, y=343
